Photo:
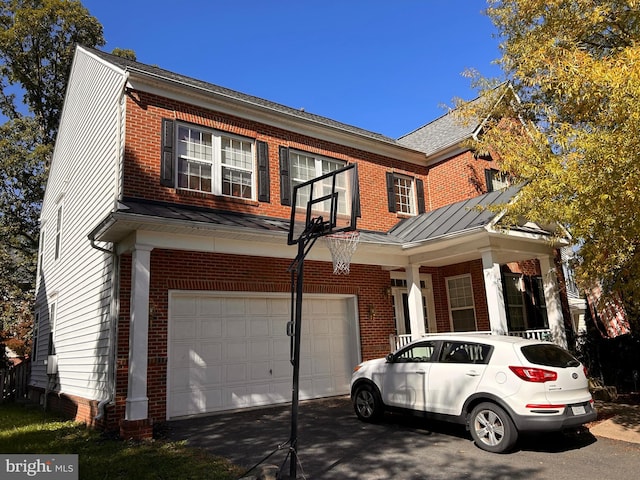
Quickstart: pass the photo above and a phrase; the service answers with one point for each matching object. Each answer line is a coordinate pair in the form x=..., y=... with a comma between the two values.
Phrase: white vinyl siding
x=88, y=147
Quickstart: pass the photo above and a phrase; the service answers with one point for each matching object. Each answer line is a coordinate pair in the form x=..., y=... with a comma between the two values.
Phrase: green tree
x=575, y=67
x=37, y=42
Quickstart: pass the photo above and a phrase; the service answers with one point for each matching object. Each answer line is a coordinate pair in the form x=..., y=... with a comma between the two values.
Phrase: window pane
x=463, y=320
x=237, y=153
x=236, y=183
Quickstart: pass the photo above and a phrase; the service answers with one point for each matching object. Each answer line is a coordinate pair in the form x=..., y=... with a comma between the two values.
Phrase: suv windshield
x=549, y=355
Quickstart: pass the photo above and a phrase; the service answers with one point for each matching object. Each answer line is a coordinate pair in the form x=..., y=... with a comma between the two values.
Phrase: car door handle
x=420, y=372
x=472, y=373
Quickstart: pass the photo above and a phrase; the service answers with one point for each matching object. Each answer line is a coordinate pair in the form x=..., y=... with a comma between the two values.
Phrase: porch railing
x=399, y=341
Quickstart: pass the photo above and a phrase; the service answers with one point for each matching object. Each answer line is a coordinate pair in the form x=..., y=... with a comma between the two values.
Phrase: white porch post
x=137, y=401
x=495, y=294
x=416, y=312
x=552, y=299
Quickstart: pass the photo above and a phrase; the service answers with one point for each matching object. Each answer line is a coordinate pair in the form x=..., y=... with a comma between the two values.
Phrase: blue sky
x=388, y=66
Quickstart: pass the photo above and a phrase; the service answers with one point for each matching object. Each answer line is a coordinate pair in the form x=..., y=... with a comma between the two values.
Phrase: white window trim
x=473, y=301
x=53, y=318
x=57, y=243
x=216, y=161
x=427, y=293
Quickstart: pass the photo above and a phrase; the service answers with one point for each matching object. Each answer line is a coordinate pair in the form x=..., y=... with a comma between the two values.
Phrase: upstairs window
x=203, y=160
x=305, y=167
x=215, y=163
x=496, y=180
x=405, y=194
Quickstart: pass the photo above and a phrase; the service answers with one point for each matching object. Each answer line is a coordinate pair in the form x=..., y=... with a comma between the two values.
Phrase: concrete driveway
x=334, y=444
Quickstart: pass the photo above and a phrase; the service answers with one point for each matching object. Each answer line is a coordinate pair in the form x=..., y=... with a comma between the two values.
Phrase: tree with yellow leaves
x=574, y=66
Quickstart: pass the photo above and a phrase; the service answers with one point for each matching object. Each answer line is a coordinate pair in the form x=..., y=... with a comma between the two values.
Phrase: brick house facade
x=156, y=255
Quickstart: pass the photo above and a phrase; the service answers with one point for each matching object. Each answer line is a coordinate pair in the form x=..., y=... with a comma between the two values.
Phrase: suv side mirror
x=390, y=358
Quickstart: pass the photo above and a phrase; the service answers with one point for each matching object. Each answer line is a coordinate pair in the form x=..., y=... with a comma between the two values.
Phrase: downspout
x=115, y=285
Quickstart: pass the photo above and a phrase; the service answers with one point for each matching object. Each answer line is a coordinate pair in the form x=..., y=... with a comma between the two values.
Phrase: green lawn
x=29, y=430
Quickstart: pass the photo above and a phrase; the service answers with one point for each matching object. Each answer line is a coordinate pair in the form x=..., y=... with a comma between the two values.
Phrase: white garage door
x=228, y=352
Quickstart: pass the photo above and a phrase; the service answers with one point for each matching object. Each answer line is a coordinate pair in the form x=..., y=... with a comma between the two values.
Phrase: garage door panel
x=234, y=306
x=280, y=307
x=260, y=350
x=233, y=352
x=209, y=352
x=282, y=348
x=235, y=373
x=210, y=327
x=259, y=326
x=236, y=327
x=281, y=369
x=260, y=371
x=209, y=306
x=256, y=306
x=185, y=328
x=236, y=351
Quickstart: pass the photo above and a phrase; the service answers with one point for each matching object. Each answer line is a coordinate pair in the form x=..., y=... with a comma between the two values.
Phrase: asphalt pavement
x=334, y=444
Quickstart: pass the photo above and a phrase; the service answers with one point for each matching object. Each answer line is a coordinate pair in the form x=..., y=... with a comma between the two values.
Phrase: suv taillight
x=532, y=374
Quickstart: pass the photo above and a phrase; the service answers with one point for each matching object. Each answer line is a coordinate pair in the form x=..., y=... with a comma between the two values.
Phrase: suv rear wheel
x=492, y=429
x=367, y=403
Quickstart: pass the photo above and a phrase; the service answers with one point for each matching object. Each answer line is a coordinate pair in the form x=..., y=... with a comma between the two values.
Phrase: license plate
x=578, y=410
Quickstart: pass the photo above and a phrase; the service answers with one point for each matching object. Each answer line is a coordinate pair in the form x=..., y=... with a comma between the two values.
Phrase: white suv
x=496, y=385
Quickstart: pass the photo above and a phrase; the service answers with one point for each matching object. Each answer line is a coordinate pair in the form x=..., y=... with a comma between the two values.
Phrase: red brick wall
x=457, y=178
x=439, y=277
x=142, y=161
x=220, y=272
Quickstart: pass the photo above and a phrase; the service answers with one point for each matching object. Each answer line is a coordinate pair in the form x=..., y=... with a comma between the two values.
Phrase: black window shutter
x=420, y=195
x=285, y=180
x=391, y=193
x=167, y=159
x=263, y=171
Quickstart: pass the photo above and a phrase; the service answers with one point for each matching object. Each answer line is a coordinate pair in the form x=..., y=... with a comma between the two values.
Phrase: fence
x=13, y=382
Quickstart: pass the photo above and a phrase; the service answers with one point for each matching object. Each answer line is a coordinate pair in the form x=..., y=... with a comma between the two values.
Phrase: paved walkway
x=618, y=421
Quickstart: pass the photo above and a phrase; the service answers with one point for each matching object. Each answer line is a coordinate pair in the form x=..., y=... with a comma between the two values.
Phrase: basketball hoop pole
x=298, y=267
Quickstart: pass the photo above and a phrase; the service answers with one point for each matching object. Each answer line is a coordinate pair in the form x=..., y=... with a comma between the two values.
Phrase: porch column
x=137, y=400
x=416, y=312
x=552, y=299
x=495, y=294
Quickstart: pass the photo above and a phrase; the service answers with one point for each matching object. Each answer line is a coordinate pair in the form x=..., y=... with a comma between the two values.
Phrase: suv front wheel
x=367, y=403
x=492, y=429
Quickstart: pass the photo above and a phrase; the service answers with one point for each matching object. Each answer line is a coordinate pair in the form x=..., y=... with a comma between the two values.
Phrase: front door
x=400, y=298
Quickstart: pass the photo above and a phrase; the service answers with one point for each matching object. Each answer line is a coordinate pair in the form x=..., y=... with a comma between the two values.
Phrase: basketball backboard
x=324, y=205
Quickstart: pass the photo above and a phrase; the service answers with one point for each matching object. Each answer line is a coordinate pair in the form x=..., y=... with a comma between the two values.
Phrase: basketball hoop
x=342, y=246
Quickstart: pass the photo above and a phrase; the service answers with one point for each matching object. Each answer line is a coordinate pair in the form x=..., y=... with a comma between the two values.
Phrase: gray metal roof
x=172, y=211
x=166, y=75
x=457, y=218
